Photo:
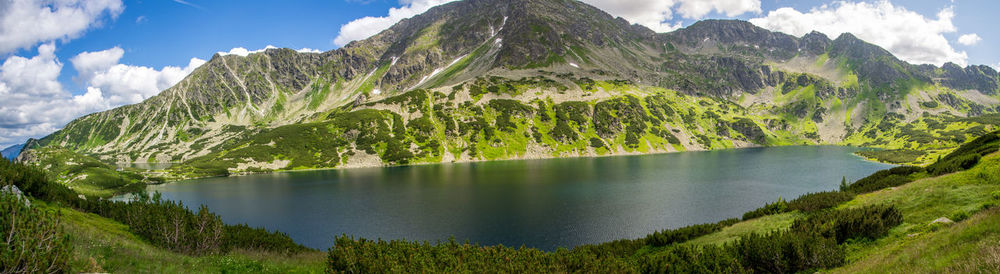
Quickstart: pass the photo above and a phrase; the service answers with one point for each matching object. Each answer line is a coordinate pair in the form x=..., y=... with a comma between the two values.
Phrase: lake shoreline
x=465, y=161
x=536, y=203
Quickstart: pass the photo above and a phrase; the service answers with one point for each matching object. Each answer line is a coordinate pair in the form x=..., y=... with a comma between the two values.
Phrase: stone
x=942, y=220
x=14, y=191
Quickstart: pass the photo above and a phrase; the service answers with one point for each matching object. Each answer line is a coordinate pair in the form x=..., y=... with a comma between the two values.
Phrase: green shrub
x=162, y=223
x=819, y=200
x=810, y=244
x=967, y=155
x=33, y=240
x=869, y=222
x=787, y=252
x=507, y=109
x=898, y=156
x=680, y=235
x=884, y=178
x=692, y=259
x=596, y=142
x=954, y=164
x=777, y=207
x=398, y=256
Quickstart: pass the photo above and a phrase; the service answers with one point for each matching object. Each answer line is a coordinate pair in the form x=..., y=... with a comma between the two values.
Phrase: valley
x=739, y=86
x=536, y=136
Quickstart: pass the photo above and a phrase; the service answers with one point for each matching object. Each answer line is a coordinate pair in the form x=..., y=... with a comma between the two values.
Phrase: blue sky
x=136, y=42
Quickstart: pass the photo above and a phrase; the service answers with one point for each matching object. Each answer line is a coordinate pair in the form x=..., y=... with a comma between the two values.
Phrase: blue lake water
x=536, y=203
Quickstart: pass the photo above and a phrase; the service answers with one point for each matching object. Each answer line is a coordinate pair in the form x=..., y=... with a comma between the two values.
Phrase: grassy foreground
x=916, y=243
x=103, y=245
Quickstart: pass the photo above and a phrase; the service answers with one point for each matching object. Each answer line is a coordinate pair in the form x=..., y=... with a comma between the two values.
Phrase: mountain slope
x=11, y=152
x=487, y=79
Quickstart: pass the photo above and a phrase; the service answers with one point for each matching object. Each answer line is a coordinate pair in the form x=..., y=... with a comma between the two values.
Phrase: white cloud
x=907, y=34
x=969, y=39
x=35, y=104
x=87, y=64
x=696, y=9
x=25, y=23
x=127, y=84
x=189, y=4
x=657, y=14
x=22, y=78
x=654, y=14
x=368, y=26
x=241, y=51
x=309, y=50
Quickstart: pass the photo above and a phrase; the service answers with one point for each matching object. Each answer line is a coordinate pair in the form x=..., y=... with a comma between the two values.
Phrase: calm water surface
x=536, y=203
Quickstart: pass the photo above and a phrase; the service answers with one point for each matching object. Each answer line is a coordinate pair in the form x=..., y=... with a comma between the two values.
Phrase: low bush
x=953, y=164
x=596, y=142
x=777, y=207
x=787, y=252
x=691, y=259
x=398, y=256
x=162, y=223
x=898, y=156
x=967, y=155
x=869, y=222
x=885, y=178
x=810, y=244
x=680, y=235
x=33, y=239
x=819, y=200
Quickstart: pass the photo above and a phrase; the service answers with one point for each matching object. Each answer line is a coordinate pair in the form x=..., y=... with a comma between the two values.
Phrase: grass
x=108, y=245
x=758, y=225
x=970, y=245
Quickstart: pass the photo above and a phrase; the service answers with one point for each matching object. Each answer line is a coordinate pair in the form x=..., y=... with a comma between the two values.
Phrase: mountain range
x=487, y=79
x=11, y=152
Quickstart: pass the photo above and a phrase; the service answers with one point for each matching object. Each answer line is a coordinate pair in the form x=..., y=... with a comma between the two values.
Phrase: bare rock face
x=943, y=221
x=27, y=156
x=12, y=190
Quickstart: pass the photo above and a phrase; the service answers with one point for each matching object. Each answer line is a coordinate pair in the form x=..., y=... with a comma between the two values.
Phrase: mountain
x=489, y=79
x=11, y=152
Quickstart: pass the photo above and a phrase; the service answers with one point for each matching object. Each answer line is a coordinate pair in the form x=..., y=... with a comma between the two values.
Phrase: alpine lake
x=542, y=204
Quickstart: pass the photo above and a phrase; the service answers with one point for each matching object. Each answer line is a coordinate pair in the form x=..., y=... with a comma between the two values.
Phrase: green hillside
x=887, y=221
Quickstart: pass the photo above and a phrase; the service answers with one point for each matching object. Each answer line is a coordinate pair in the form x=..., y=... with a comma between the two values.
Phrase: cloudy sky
x=61, y=59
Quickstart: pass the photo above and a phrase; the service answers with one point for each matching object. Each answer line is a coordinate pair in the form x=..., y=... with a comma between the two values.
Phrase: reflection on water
x=536, y=203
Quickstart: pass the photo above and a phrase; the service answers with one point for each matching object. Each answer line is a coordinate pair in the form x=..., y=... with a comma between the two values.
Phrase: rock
x=14, y=191
x=942, y=220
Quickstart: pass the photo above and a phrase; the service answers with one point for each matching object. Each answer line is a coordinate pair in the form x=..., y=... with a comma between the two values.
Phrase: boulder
x=942, y=220
x=14, y=191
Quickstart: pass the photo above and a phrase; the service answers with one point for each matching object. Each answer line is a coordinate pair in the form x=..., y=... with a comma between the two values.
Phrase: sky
x=62, y=59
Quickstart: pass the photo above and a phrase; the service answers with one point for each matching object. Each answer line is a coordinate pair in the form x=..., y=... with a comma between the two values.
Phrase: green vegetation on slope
x=104, y=245
x=423, y=126
x=36, y=237
x=87, y=175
